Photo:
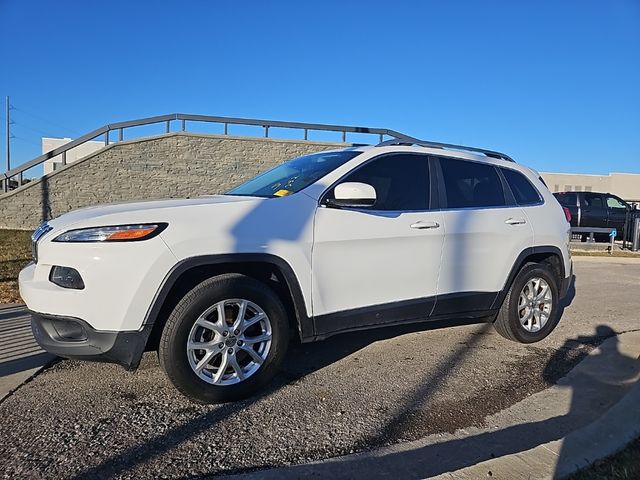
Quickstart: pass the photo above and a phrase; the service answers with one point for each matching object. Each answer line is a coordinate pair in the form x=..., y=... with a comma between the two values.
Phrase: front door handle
x=423, y=225
x=515, y=221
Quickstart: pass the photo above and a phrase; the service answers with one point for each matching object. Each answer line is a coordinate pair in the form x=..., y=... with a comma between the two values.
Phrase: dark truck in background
x=593, y=209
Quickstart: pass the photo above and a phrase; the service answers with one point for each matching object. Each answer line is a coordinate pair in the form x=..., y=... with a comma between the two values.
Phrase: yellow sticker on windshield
x=282, y=193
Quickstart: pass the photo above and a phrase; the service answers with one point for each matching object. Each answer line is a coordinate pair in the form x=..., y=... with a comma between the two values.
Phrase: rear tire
x=530, y=310
x=226, y=315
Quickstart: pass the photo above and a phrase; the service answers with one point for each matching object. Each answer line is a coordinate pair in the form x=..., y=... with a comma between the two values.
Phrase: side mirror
x=353, y=194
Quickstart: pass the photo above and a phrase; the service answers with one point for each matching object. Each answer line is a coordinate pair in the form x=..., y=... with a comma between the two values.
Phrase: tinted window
x=401, y=181
x=471, y=184
x=567, y=199
x=593, y=200
x=523, y=191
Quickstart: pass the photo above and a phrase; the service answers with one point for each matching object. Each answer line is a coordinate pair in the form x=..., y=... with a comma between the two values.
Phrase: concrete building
x=624, y=185
x=74, y=154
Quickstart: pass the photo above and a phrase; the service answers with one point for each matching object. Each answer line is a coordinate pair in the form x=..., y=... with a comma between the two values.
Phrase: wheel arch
x=548, y=254
x=270, y=269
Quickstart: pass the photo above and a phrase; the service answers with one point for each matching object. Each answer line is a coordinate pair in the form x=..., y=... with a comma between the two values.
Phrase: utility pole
x=6, y=179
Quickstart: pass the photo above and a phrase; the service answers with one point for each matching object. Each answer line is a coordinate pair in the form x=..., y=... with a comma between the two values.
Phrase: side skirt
x=466, y=305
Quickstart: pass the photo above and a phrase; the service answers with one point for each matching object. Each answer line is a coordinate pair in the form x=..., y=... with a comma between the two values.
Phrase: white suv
x=342, y=240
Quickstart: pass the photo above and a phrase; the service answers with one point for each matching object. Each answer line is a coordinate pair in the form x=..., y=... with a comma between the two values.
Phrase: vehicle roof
x=445, y=152
x=582, y=192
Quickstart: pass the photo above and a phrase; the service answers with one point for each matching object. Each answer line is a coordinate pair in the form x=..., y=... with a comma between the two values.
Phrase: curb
x=546, y=435
x=602, y=438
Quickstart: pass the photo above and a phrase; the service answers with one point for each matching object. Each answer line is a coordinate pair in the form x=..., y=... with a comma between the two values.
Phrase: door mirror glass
x=353, y=194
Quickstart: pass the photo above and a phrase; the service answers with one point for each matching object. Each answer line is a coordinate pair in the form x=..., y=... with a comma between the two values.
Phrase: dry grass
x=15, y=253
x=622, y=466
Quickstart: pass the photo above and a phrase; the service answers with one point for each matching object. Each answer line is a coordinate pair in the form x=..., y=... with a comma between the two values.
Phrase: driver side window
x=401, y=181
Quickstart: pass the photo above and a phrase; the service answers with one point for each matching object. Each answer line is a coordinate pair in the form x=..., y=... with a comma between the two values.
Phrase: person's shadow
x=602, y=379
x=598, y=382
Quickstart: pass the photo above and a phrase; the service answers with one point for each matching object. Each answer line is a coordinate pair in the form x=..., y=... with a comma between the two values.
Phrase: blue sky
x=554, y=84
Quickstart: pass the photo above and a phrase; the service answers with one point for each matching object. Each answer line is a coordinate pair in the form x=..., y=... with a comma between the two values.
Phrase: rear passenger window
x=471, y=184
x=523, y=191
x=593, y=200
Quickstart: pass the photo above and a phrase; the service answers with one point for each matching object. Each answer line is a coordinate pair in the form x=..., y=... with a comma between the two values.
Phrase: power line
x=27, y=140
x=42, y=119
x=35, y=130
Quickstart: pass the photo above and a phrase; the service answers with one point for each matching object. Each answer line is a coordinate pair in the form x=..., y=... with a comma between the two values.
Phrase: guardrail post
x=344, y=136
x=64, y=158
x=635, y=238
x=120, y=134
x=226, y=128
x=306, y=133
x=183, y=125
x=381, y=138
x=168, y=126
x=106, y=138
x=266, y=131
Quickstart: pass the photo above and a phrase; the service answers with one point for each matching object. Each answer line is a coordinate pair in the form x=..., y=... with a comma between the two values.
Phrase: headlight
x=114, y=233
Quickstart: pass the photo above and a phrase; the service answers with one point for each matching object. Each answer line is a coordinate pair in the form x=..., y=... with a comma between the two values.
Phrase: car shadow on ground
x=304, y=359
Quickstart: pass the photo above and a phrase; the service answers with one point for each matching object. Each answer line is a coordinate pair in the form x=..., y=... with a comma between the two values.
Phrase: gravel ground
x=349, y=393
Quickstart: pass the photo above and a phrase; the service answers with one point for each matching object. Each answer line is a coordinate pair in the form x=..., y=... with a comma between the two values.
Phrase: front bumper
x=71, y=337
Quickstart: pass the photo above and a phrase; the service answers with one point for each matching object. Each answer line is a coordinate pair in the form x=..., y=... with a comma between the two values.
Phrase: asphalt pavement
x=352, y=393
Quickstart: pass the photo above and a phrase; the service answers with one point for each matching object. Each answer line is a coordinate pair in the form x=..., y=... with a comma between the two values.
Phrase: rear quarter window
x=523, y=191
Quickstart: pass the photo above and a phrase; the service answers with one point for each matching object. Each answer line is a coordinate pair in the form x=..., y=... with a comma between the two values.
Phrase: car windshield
x=294, y=175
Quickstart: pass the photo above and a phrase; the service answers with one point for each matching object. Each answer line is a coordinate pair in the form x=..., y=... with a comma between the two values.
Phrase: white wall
x=74, y=154
x=624, y=185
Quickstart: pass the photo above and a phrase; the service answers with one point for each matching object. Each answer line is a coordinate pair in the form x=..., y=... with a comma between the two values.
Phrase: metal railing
x=183, y=119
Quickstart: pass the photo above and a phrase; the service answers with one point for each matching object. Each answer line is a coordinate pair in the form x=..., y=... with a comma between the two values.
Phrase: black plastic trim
x=464, y=302
x=52, y=279
x=517, y=265
x=464, y=305
x=124, y=348
x=305, y=323
x=405, y=311
x=509, y=197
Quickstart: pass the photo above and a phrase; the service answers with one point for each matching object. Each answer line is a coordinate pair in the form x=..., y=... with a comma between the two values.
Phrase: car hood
x=145, y=211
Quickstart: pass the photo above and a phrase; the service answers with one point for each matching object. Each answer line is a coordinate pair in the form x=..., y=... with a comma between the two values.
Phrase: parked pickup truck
x=593, y=209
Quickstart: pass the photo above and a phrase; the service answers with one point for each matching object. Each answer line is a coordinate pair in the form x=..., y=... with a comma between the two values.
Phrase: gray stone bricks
x=175, y=165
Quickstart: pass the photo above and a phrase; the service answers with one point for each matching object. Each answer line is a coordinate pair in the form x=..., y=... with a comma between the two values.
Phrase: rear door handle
x=515, y=221
x=423, y=225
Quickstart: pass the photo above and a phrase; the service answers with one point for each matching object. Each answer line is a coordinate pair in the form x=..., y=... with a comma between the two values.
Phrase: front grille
x=37, y=235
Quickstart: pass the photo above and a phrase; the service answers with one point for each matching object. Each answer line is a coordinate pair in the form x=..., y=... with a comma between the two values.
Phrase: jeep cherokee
x=335, y=241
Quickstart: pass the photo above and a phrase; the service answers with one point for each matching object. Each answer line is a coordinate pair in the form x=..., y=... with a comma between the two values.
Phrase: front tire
x=225, y=339
x=530, y=310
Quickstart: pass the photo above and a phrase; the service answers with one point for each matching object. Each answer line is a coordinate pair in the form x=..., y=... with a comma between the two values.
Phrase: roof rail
x=405, y=140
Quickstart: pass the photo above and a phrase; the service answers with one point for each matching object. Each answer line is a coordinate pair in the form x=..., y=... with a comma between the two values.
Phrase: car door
x=594, y=211
x=379, y=264
x=485, y=233
x=617, y=212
